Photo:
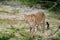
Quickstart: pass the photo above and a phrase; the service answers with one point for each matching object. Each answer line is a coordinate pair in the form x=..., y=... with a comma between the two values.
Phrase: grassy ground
x=18, y=30
x=8, y=10
x=14, y=33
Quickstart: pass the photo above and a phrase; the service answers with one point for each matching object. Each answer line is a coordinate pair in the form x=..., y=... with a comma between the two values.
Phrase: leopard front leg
x=33, y=32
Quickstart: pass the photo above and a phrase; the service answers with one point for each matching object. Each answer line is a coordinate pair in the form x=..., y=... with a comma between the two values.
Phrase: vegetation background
x=17, y=30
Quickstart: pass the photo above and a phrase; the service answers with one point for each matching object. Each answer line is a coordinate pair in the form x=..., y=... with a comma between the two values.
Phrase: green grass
x=54, y=15
x=13, y=33
x=20, y=33
x=11, y=13
x=8, y=21
x=57, y=16
x=4, y=11
x=6, y=35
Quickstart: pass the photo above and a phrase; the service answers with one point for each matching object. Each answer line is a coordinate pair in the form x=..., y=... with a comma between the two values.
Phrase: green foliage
x=45, y=5
x=56, y=8
x=58, y=36
x=23, y=1
x=5, y=35
x=42, y=3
